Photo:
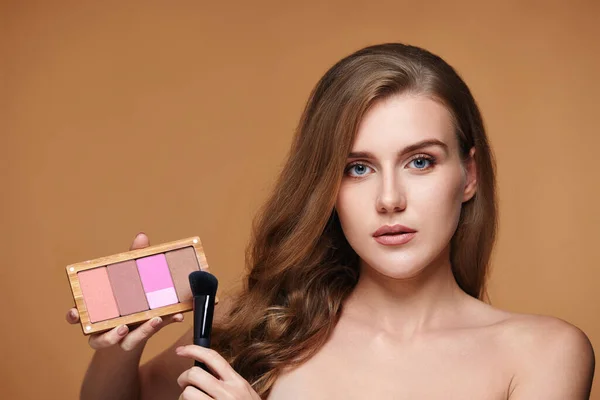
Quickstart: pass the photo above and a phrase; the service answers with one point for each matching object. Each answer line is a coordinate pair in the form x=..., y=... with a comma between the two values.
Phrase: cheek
x=439, y=203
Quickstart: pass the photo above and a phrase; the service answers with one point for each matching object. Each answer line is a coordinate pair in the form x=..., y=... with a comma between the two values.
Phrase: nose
x=391, y=197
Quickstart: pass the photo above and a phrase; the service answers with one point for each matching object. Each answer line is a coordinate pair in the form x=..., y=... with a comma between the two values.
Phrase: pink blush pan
x=127, y=287
x=98, y=294
x=157, y=281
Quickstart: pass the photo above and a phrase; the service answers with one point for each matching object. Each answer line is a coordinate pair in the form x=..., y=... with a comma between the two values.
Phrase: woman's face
x=404, y=169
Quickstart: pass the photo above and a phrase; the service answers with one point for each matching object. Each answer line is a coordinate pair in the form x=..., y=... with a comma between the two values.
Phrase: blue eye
x=358, y=169
x=422, y=162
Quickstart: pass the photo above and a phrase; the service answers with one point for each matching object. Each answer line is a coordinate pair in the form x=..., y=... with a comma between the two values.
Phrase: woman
x=368, y=264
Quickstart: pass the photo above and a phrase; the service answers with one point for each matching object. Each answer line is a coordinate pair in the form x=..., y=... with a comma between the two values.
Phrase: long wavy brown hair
x=300, y=266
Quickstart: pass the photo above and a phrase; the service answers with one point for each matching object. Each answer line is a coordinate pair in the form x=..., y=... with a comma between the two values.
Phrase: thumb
x=140, y=241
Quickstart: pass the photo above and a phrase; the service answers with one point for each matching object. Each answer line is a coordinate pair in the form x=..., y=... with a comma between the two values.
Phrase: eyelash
x=430, y=159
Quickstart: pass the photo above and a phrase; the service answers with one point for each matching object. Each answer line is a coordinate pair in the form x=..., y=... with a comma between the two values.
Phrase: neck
x=428, y=301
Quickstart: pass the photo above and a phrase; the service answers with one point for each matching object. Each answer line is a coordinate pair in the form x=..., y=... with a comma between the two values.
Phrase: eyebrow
x=406, y=150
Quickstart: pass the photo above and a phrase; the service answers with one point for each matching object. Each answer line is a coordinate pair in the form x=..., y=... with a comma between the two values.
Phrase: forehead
x=402, y=120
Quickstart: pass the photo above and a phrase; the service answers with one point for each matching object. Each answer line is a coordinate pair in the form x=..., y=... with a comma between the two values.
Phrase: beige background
x=174, y=118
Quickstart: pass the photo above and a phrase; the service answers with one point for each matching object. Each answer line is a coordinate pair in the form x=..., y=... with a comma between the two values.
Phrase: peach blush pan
x=136, y=285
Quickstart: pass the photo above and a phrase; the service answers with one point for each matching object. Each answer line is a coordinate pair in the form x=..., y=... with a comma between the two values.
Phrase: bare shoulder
x=539, y=333
x=551, y=357
x=530, y=333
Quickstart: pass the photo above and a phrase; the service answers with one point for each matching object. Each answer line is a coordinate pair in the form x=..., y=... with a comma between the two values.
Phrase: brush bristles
x=203, y=283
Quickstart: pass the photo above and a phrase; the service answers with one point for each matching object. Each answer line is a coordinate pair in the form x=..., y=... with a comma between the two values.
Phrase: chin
x=405, y=268
x=400, y=274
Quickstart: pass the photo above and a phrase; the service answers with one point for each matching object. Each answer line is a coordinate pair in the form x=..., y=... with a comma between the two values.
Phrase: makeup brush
x=204, y=289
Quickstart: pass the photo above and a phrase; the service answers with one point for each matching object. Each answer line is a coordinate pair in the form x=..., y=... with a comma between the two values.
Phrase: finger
x=107, y=339
x=201, y=381
x=166, y=321
x=191, y=393
x=141, y=333
x=140, y=241
x=72, y=316
x=211, y=358
x=174, y=318
x=145, y=331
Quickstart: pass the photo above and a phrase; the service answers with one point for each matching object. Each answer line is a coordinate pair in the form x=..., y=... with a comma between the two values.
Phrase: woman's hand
x=127, y=340
x=199, y=384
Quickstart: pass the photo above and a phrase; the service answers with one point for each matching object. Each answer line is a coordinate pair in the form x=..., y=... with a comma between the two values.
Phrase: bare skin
x=407, y=331
x=473, y=352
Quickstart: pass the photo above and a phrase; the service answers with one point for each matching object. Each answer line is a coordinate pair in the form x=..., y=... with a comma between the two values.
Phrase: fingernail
x=179, y=349
x=122, y=330
x=155, y=322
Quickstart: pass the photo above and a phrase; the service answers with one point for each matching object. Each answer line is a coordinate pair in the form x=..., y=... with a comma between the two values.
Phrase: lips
x=392, y=230
x=394, y=235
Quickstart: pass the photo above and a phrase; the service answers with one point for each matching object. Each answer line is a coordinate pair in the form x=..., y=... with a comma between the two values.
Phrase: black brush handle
x=204, y=306
x=204, y=342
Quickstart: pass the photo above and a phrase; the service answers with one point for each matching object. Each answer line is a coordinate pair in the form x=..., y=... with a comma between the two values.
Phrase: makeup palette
x=135, y=286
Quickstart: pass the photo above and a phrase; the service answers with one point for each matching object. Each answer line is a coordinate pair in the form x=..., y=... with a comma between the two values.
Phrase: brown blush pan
x=135, y=286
